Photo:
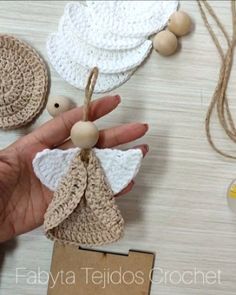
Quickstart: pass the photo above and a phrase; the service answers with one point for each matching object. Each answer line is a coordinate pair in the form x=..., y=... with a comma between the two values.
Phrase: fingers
x=143, y=147
x=114, y=136
x=58, y=129
x=66, y=145
x=126, y=190
x=121, y=134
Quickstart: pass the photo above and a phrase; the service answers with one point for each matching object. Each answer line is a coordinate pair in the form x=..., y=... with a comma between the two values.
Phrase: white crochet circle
x=108, y=61
x=115, y=16
x=141, y=10
x=87, y=28
x=75, y=74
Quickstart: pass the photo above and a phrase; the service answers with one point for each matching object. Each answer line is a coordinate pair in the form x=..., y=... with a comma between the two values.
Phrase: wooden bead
x=84, y=134
x=59, y=104
x=165, y=43
x=179, y=23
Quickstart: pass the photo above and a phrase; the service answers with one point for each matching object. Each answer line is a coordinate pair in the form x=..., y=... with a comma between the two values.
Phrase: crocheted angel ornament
x=84, y=181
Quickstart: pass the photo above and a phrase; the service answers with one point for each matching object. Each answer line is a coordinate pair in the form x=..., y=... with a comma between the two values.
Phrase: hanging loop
x=89, y=92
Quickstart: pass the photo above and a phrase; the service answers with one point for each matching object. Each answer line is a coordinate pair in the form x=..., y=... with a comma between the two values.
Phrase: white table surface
x=178, y=207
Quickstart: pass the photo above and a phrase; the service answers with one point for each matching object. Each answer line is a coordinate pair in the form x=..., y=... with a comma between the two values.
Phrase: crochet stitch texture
x=23, y=83
x=83, y=210
x=119, y=167
x=110, y=35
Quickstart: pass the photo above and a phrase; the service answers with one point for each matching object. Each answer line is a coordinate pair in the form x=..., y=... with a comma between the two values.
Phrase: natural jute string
x=219, y=98
x=92, y=79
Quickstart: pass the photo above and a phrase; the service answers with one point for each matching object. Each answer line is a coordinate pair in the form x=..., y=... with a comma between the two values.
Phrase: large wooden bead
x=179, y=23
x=84, y=134
x=59, y=104
x=165, y=43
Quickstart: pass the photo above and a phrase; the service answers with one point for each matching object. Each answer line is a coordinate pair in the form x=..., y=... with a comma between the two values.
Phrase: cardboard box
x=88, y=272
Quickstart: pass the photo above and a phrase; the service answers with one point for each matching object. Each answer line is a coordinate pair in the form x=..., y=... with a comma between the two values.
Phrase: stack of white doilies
x=112, y=35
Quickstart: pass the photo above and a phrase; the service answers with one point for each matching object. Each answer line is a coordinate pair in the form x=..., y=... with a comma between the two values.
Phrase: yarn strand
x=92, y=79
x=219, y=98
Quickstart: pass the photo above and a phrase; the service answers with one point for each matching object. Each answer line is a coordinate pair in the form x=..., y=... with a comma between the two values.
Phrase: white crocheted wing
x=120, y=167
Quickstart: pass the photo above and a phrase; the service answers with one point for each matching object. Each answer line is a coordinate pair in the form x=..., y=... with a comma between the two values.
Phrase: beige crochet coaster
x=23, y=83
x=83, y=210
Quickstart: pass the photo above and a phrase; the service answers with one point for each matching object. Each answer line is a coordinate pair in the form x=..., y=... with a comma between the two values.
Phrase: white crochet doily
x=119, y=167
x=76, y=74
x=111, y=35
x=108, y=61
x=141, y=10
x=88, y=29
x=131, y=18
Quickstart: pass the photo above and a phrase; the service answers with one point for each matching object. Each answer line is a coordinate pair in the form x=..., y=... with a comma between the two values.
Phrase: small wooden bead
x=59, y=104
x=165, y=43
x=84, y=134
x=179, y=23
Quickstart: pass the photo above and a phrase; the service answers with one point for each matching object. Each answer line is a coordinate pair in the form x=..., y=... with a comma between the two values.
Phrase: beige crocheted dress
x=83, y=210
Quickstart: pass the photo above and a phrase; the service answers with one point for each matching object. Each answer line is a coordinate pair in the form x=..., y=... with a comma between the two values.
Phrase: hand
x=23, y=198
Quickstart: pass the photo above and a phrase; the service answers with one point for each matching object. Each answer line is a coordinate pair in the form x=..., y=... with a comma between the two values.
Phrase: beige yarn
x=23, y=83
x=219, y=101
x=83, y=210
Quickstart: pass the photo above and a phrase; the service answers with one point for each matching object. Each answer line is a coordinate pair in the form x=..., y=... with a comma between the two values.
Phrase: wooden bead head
x=84, y=134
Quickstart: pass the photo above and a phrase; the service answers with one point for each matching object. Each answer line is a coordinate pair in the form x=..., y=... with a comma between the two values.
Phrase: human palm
x=23, y=198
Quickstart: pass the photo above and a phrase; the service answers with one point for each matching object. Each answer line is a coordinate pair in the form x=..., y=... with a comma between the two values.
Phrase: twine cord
x=219, y=98
x=92, y=79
